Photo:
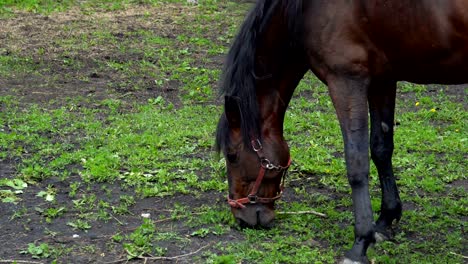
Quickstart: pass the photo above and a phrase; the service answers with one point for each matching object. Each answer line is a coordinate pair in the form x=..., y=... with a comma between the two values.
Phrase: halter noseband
x=265, y=165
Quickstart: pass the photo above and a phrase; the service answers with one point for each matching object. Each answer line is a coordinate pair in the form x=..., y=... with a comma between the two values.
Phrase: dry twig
x=304, y=212
x=176, y=257
x=459, y=255
x=164, y=258
x=19, y=261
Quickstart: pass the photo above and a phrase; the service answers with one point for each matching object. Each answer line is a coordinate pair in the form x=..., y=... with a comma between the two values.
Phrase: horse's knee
x=358, y=180
x=381, y=153
x=381, y=146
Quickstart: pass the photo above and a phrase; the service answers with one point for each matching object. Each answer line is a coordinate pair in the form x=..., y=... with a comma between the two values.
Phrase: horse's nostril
x=254, y=216
x=242, y=224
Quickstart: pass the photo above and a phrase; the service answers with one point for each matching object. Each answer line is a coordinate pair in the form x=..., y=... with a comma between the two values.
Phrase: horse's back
x=423, y=41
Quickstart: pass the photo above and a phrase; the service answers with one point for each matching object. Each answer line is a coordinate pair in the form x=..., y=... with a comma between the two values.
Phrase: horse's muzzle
x=254, y=215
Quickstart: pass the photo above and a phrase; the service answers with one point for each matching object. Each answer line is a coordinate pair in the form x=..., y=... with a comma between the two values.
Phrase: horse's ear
x=232, y=111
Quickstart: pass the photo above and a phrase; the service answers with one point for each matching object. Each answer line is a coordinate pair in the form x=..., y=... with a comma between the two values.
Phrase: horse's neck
x=272, y=105
x=274, y=94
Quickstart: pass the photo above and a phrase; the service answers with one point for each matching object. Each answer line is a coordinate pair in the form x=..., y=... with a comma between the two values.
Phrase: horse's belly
x=451, y=70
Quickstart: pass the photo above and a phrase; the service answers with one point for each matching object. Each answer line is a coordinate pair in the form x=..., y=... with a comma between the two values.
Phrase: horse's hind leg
x=382, y=109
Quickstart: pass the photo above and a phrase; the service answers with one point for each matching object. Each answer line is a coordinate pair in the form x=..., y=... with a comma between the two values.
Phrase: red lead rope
x=265, y=164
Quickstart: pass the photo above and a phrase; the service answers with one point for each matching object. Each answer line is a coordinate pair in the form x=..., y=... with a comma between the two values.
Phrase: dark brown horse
x=360, y=49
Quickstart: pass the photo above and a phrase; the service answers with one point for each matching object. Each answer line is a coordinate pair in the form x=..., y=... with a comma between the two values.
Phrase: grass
x=109, y=128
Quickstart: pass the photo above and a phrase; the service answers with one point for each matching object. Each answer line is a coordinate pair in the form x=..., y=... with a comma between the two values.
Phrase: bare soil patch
x=57, y=73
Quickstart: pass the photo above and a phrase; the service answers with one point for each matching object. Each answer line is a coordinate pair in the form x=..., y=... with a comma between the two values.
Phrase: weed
x=117, y=238
x=202, y=232
x=42, y=250
x=48, y=194
x=11, y=195
x=118, y=107
x=141, y=241
x=79, y=224
x=51, y=212
x=74, y=186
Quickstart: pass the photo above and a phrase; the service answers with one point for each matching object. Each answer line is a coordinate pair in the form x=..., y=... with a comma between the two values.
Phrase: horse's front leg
x=349, y=97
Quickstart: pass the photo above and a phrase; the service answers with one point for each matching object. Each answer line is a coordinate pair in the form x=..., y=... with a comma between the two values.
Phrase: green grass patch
x=126, y=146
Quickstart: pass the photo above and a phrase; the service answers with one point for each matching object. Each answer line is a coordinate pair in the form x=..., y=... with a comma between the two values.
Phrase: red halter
x=265, y=164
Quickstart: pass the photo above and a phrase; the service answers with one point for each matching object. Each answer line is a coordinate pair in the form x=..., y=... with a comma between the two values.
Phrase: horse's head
x=261, y=71
x=256, y=166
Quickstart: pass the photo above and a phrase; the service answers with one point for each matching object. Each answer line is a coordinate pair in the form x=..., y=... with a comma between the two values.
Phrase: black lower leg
x=391, y=207
x=363, y=227
x=357, y=163
x=382, y=109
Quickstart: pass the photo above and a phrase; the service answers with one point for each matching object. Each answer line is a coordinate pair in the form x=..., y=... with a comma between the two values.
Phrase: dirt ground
x=54, y=84
x=28, y=33
x=35, y=35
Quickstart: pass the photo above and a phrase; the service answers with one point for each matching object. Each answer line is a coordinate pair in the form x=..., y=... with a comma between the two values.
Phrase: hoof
x=350, y=261
x=381, y=237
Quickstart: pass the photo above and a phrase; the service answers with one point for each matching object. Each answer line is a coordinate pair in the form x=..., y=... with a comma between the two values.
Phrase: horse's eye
x=231, y=157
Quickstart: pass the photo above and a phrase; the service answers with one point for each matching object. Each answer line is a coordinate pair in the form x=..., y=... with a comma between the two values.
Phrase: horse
x=360, y=49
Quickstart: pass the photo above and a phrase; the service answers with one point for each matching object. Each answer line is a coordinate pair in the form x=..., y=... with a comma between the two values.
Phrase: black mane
x=238, y=78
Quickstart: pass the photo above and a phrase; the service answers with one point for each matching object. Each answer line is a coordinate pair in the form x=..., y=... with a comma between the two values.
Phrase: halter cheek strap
x=265, y=165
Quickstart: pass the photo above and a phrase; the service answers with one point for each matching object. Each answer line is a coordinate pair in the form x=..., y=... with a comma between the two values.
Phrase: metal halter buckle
x=266, y=163
x=252, y=198
x=256, y=145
